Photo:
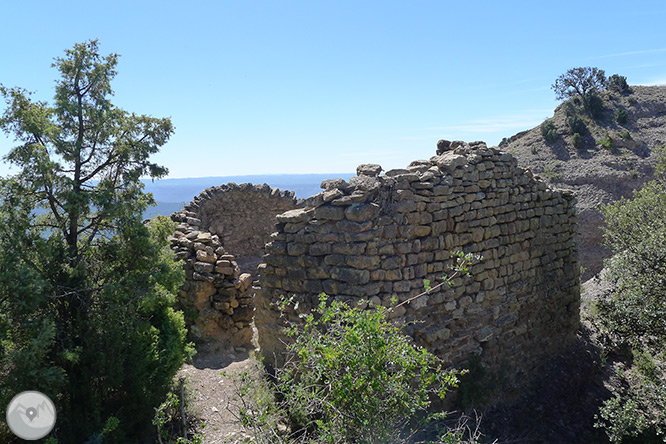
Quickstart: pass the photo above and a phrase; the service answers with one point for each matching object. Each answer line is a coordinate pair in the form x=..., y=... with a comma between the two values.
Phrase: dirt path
x=211, y=392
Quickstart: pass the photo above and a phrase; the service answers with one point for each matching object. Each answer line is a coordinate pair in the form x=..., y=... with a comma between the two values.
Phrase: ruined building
x=377, y=237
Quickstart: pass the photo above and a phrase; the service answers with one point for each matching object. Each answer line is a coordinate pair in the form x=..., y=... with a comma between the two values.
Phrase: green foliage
x=86, y=289
x=581, y=83
x=354, y=377
x=618, y=84
x=621, y=419
x=607, y=142
x=575, y=124
x=461, y=268
x=475, y=385
x=633, y=313
x=351, y=377
x=548, y=131
x=169, y=419
x=594, y=105
x=577, y=141
x=570, y=108
x=621, y=116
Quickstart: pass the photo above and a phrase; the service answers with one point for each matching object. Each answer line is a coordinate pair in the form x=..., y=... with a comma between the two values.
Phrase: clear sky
x=319, y=86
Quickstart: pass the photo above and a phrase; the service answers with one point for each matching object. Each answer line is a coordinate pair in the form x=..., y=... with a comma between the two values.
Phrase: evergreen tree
x=86, y=289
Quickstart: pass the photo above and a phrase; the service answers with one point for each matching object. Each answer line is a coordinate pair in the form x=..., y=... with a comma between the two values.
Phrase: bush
x=171, y=426
x=594, y=106
x=632, y=313
x=575, y=124
x=375, y=380
x=621, y=116
x=618, y=84
x=607, y=142
x=351, y=377
x=577, y=141
x=570, y=108
x=548, y=131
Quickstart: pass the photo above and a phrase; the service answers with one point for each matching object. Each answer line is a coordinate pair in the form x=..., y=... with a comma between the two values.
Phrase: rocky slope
x=614, y=159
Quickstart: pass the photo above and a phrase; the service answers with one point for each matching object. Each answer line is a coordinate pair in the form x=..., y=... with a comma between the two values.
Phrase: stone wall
x=377, y=237
x=243, y=216
x=217, y=297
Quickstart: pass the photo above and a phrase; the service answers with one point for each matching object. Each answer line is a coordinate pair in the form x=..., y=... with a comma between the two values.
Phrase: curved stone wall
x=377, y=237
x=219, y=229
x=242, y=216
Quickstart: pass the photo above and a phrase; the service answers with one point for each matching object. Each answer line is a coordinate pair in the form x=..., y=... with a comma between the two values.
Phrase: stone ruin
x=218, y=296
x=377, y=237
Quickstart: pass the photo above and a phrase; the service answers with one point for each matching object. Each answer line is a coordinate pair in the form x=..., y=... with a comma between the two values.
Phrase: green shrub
x=575, y=124
x=621, y=419
x=548, y=131
x=632, y=315
x=171, y=426
x=618, y=84
x=577, y=141
x=621, y=116
x=607, y=142
x=351, y=377
x=626, y=135
x=594, y=106
x=570, y=108
x=355, y=378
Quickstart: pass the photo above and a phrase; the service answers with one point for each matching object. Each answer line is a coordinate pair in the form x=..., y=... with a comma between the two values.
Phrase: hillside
x=614, y=158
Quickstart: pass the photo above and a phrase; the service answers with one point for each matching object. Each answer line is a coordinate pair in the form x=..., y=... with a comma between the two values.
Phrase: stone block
x=313, y=286
x=295, y=216
x=204, y=256
x=363, y=262
x=368, y=169
x=349, y=248
x=296, y=249
x=203, y=267
x=401, y=286
x=328, y=212
x=449, y=161
x=350, y=275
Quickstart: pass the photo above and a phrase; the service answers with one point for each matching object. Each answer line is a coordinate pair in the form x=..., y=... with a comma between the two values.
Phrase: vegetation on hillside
x=86, y=289
x=582, y=84
x=633, y=314
x=591, y=106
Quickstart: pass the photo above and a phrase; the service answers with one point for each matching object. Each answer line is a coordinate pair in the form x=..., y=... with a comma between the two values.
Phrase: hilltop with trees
x=599, y=142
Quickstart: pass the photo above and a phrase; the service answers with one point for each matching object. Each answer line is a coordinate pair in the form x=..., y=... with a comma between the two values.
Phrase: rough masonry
x=221, y=227
x=377, y=237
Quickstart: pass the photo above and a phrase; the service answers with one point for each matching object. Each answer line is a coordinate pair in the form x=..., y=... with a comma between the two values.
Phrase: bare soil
x=211, y=392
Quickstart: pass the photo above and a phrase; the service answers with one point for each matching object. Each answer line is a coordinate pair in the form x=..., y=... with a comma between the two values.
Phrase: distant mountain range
x=173, y=194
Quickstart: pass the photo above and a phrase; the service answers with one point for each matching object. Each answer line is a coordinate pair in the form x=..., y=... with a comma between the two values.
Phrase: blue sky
x=271, y=87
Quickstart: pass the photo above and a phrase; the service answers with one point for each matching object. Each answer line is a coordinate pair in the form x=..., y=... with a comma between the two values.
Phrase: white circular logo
x=31, y=415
